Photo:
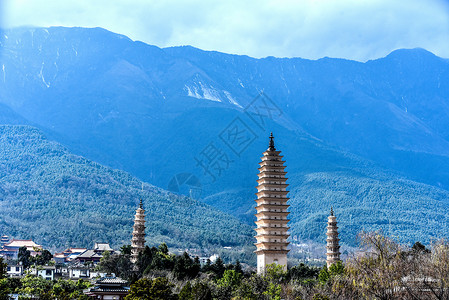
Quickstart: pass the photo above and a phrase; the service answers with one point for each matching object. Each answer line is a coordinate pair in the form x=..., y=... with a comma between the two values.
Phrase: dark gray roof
x=110, y=280
x=89, y=254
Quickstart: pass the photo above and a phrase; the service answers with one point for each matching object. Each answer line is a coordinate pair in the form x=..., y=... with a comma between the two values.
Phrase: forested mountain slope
x=61, y=200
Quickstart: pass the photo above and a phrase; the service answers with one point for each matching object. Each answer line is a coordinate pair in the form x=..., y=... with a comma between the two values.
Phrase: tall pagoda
x=138, y=239
x=272, y=229
x=333, y=247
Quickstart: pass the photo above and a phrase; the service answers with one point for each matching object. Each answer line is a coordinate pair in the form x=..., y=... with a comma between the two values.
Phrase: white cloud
x=354, y=29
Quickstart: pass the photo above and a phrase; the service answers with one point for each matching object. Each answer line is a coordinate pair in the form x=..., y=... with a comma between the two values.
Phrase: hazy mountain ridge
x=152, y=112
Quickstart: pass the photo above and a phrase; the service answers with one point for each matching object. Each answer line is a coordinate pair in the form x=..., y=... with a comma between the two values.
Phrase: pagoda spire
x=333, y=246
x=271, y=145
x=138, y=239
x=272, y=215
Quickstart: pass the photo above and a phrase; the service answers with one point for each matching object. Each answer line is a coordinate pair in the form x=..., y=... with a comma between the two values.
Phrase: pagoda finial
x=271, y=146
x=141, y=204
x=332, y=211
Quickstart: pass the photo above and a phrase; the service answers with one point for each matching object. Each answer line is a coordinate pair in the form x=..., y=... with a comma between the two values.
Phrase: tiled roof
x=89, y=254
x=99, y=289
x=103, y=247
x=115, y=280
x=75, y=250
x=22, y=243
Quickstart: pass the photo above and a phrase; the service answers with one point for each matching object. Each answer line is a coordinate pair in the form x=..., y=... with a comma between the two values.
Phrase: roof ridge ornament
x=141, y=204
x=332, y=211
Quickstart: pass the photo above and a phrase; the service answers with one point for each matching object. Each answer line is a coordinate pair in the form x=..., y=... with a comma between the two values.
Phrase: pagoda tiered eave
x=268, y=214
x=270, y=192
x=277, y=163
x=264, y=179
x=272, y=244
x=271, y=251
x=271, y=221
x=269, y=200
x=272, y=169
x=262, y=186
x=268, y=174
x=272, y=206
x=272, y=236
x=275, y=153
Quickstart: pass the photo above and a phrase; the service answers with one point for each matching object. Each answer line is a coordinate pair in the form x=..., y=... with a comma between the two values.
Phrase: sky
x=351, y=29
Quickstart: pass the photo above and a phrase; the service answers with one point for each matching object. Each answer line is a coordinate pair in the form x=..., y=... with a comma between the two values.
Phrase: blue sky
x=353, y=29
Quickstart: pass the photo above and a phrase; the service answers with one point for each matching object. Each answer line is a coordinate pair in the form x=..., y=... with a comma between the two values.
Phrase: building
x=14, y=270
x=62, y=271
x=68, y=255
x=46, y=272
x=89, y=256
x=109, y=287
x=59, y=258
x=272, y=215
x=138, y=239
x=102, y=247
x=11, y=250
x=333, y=246
x=78, y=271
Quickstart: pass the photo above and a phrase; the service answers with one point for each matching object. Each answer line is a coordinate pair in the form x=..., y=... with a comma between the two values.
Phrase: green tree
x=337, y=269
x=218, y=267
x=163, y=248
x=186, y=292
x=24, y=257
x=125, y=250
x=238, y=267
x=324, y=275
x=231, y=279
x=198, y=291
x=146, y=289
x=275, y=273
x=42, y=258
x=3, y=266
x=228, y=284
x=35, y=286
x=4, y=289
x=302, y=272
x=185, y=267
x=252, y=288
x=118, y=264
x=273, y=291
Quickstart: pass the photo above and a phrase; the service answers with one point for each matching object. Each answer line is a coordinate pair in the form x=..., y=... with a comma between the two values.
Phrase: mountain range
x=368, y=138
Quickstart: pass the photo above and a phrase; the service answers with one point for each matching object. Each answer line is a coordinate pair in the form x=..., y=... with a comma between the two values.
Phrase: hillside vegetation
x=61, y=200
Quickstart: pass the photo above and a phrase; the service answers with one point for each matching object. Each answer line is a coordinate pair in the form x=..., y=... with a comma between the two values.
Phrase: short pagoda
x=333, y=246
x=138, y=239
x=272, y=229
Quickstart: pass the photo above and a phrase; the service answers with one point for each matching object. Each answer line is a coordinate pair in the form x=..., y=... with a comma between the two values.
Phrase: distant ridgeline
x=370, y=139
x=59, y=200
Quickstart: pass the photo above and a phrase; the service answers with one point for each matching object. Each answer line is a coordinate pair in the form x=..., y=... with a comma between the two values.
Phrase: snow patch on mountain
x=201, y=91
x=231, y=99
x=210, y=93
x=41, y=75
